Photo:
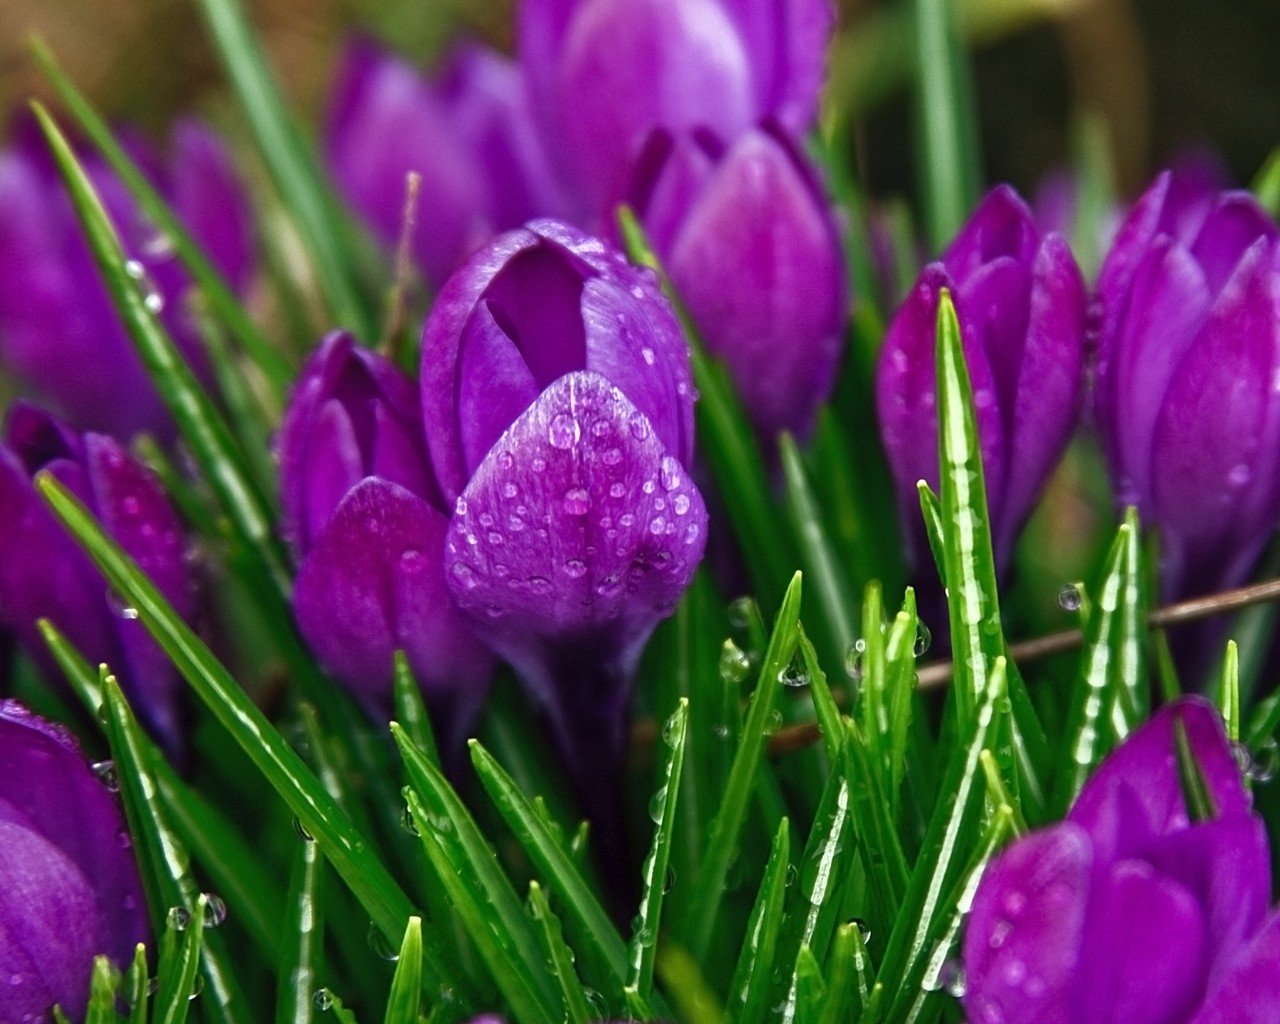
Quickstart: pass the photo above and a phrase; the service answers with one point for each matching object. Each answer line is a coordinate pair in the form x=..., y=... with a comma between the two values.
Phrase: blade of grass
x=752, y=978
x=103, y=983
x=560, y=958
x=406, y=983
x=302, y=944
x=849, y=971
x=177, y=973
x=137, y=987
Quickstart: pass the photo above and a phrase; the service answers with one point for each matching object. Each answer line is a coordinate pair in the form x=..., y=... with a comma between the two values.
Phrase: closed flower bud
x=604, y=73
x=467, y=132
x=559, y=412
x=69, y=886
x=364, y=513
x=1188, y=358
x=1022, y=310
x=1131, y=909
x=44, y=573
x=753, y=251
x=59, y=332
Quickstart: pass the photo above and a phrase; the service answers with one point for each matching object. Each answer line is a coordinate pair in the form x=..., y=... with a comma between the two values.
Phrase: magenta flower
x=69, y=887
x=59, y=332
x=44, y=573
x=1129, y=911
x=559, y=415
x=603, y=74
x=752, y=247
x=1188, y=356
x=364, y=512
x=468, y=133
x=1021, y=304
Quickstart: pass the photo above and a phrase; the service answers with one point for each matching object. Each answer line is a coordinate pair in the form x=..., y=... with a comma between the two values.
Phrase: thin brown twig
x=398, y=303
x=938, y=673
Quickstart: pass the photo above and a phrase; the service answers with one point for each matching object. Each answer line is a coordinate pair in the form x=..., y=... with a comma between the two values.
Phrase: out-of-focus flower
x=467, y=132
x=1128, y=910
x=1188, y=360
x=69, y=886
x=753, y=250
x=364, y=512
x=559, y=411
x=1022, y=310
x=59, y=332
x=604, y=73
x=44, y=573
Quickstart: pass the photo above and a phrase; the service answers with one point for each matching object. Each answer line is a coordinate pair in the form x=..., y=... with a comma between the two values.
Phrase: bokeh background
x=1156, y=74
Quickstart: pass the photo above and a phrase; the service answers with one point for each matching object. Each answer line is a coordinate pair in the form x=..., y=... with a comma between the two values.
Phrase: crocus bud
x=1188, y=357
x=69, y=886
x=467, y=133
x=44, y=573
x=753, y=251
x=1067, y=921
x=1021, y=305
x=59, y=332
x=604, y=73
x=364, y=513
x=559, y=411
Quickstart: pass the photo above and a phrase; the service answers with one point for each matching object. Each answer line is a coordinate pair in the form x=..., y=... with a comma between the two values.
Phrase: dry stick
x=398, y=303
x=795, y=737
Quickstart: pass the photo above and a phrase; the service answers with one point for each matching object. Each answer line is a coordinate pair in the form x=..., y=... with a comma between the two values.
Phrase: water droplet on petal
x=563, y=431
x=577, y=502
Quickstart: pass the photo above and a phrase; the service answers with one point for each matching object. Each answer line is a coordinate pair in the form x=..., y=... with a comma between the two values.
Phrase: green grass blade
x=707, y=893
x=478, y=888
x=653, y=880
x=269, y=360
x=559, y=957
x=1133, y=699
x=348, y=850
x=824, y=704
x=177, y=973
x=137, y=987
x=198, y=420
x=811, y=988
x=161, y=854
x=1266, y=184
x=411, y=710
x=849, y=974
x=752, y=978
x=292, y=166
x=302, y=945
x=1229, y=691
x=103, y=984
x=406, y=983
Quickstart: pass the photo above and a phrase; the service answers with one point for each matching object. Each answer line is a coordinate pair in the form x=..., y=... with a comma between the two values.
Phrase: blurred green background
x=1160, y=74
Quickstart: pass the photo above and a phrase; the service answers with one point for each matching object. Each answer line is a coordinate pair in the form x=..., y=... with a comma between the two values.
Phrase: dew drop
x=794, y=675
x=924, y=639
x=510, y=490
x=734, y=663
x=639, y=424
x=303, y=834
x=563, y=431
x=612, y=457
x=107, y=775
x=215, y=910
x=147, y=288
x=1069, y=599
x=1265, y=762
x=577, y=502
x=681, y=504
x=575, y=568
x=853, y=659
x=460, y=506
x=670, y=473
x=409, y=823
x=657, y=526
x=380, y=945
x=178, y=918
x=617, y=490
x=323, y=1000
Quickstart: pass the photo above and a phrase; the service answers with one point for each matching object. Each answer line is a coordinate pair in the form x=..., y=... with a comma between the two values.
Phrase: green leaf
x=481, y=893
x=811, y=989
x=292, y=166
x=406, y=984
x=411, y=711
x=1229, y=691
x=1195, y=787
x=559, y=957
x=273, y=365
x=161, y=855
x=198, y=420
x=179, y=961
x=707, y=893
x=137, y=986
x=653, y=877
x=302, y=953
x=318, y=813
x=947, y=147
x=752, y=978
x=1266, y=186
x=726, y=440
x=825, y=710
x=103, y=984
x=849, y=970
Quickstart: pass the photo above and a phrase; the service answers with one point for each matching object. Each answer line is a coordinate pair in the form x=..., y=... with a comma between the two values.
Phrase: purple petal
x=1135, y=796
x=1232, y=227
x=208, y=195
x=1207, y=438
x=1002, y=225
x=46, y=786
x=385, y=122
x=667, y=178
x=1134, y=912
x=373, y=583
x=495, y=384
x=760, y=264
x=576, y=534
x=787, y=42
x=1025, y=934
x=1050, y=381
x=1250, y=993
x=626, y=68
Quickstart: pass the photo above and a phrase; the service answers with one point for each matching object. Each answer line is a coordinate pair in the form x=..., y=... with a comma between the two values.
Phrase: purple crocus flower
x=1188, y=358
x=753, y=250
x=1129, y=911
x=558, y=407
x=604, y=73
x=44, y=573
x=365, y=514
x=468, y=133
x=59, y=332
x=69, y=886
x=1022, y=308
